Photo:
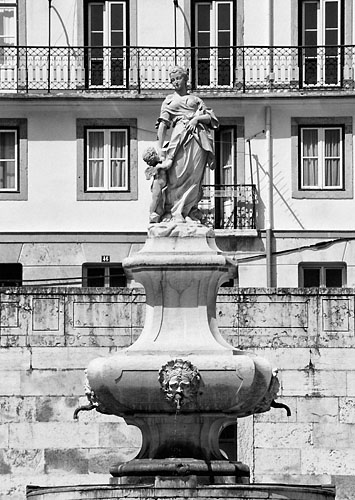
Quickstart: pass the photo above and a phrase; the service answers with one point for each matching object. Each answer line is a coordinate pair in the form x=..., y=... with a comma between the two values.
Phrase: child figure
x=156, y=169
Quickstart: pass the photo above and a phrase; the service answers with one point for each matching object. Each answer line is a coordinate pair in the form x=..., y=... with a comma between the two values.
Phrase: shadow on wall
x=281, y=186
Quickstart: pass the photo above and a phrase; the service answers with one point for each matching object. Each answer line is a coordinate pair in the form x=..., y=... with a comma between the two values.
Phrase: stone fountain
x=181, y=383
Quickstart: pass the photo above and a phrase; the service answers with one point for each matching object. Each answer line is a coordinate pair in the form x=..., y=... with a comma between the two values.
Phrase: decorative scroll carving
x=270, y=396
x=94, y=403
x=180, y=381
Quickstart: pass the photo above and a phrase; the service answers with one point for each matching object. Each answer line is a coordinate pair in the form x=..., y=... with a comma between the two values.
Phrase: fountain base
x=199, y=472
x=173, y=490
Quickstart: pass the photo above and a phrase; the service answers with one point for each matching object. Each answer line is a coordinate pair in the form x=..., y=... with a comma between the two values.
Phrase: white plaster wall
x=64, y=22
x=52, y=165
x=282, y=22
x=256, y=27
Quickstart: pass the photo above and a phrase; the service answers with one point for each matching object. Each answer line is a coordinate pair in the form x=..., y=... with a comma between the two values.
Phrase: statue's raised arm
x=189, y=151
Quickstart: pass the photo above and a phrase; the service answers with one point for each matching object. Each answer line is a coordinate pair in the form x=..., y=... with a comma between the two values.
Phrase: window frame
x=106, y=266
x=19, y=125
x=346, y=191
x=106, y=159
x=322, y=266
x=14, y=160
x=320, y=186
x=131, y=193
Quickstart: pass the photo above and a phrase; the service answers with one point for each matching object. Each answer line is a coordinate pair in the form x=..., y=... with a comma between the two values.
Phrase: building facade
x=81, y=87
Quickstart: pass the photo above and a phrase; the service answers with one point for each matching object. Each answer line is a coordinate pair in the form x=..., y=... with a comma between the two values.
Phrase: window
x=321, y=36
x=107, y=41
x=322, y=157
x=104, y=275
x=107, y=159
x=229, y=203
x=8, y=160
x=10, y=275
x=329, y=274
x=8, y=22
x=13, y=159
x=214, y=37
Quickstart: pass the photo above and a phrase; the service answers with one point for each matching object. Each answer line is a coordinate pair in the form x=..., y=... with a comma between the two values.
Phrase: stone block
x=101, y=315
x=344, y=487
x=9, y=314
x=12, y=340
x=350, y=384
x=56, y=409
x=15, y=358
x=24, y=462
x=17, y=408
x=333, y=435
x=287, y=461
x=282, y=435
x=52, y=382
x=72, y=461
x=336, y=314
x=46, y=340
x=285, y=358
x=326, y=461
x=119, y=338
x=333, y=359
x=314, y=383
x=10, y=383
x=318, y=409
x=47, y=314
x=347, y=410
x=46, y=435
x=101, y=459
x=66, y=357
x=4, y=435
x=119, y=435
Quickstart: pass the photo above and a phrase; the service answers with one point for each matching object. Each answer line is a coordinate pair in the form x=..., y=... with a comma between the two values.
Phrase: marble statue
x=178, y=167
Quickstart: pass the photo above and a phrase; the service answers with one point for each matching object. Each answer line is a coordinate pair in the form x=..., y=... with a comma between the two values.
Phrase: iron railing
x=227, y=206
x=234, y=69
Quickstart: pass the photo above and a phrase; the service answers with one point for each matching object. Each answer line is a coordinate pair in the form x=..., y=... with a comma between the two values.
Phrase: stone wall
x=48, y=336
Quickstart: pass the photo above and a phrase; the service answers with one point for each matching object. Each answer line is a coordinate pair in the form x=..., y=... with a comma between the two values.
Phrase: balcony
x=144, y=69
x=229, y=206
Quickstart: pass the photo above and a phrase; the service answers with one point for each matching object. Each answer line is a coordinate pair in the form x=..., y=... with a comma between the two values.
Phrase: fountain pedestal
x=181, y=383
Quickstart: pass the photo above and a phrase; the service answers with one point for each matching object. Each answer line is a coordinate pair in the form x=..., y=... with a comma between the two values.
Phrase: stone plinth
x=232, y=492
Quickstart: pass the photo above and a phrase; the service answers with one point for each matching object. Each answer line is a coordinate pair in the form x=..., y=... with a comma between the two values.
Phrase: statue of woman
x=188, y=152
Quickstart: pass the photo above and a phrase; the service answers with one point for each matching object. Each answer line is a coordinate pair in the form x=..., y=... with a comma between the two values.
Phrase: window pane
x=332, y=142
x=331, y=14
x=332, y=173
x=224, y=17
x=117, y=21
x=7, y=175
x=203, y=17
x=10, y=274
x=7, y=145
x=96, y=144
x=333, y=277
x=310, y=142
x=311, y=277
x=310, y=172
x=7, y=26
x=117, y=276
x=95, y=276
x=310, y=15
x=96, y=17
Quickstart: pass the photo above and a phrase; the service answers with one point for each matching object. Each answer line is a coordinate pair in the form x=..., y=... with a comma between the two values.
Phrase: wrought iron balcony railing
x=234, y=69
x=227, y=206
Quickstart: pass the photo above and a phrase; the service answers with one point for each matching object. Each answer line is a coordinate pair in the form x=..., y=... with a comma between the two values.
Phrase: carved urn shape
x=181, y=382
